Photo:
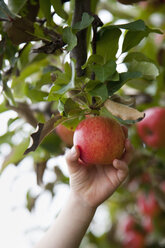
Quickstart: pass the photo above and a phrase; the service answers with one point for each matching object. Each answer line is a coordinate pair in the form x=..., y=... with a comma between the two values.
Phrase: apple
x=128, y=224
x=147, y=224
x=152, y=128
x=65, y=134
x=134, y=239
x=147, y=204
x=100, y=140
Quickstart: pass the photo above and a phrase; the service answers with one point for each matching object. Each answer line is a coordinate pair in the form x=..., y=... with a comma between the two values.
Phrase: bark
x=80, y=51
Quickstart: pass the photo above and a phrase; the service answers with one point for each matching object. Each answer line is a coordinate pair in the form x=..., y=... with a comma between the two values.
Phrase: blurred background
x=34, y=187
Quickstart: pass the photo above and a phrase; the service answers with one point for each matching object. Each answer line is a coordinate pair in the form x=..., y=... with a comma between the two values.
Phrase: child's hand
x=94, y=184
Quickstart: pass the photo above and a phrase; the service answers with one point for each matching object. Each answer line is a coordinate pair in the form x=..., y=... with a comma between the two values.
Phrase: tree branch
x=80, y=51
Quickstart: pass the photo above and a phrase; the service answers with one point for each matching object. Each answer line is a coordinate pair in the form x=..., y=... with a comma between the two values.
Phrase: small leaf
x=138, y=25
x=60, y=106
x=70, y=105
x=84, y=23
x=147, y=69
x=107, y=43
x=30, y=201
x=122, y=111
x=70, y=85
x=114, y=86
x=34, y=94
x=136, y=32
x=70, y=38
x=46, y=9
x=16, y=5
x=5, y=13
x=100, y=91
x=57, y=5
x=15, y=155
x=132, y=39
x=103, y=72
x=136, y=56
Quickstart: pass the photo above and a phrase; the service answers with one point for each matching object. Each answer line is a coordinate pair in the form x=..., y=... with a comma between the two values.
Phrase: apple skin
x=147, y=224
x=100, y=140
x=152, y=128
x=134, y=239
x=147, y=204
x=128, y=224
x=65, y=134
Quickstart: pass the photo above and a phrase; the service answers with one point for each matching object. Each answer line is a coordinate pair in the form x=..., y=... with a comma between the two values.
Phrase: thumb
x=72, y=157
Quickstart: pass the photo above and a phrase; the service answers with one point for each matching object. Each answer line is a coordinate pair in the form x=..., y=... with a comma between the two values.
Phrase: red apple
x=128, y=224
x=100, y=140
x=152, y=128
x=134, y=239
x=147, y=204
x=65, y=134
x=147, y=224
x=162, y=186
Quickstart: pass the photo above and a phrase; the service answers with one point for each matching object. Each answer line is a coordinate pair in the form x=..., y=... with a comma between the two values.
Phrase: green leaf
x=16, y=154
x=100, y=91
x=71, y=84
x=103, y=72
x=52, y=144
x=138, y=25
x=70, y=38
x=84, y=23
x=16, y=5
x=60, y=107
x=3, y=106
x=132, y=39
x=6, y=138
x=46, y=9
x=136, y=56
x=39, y=33
x=148, y=70
x=107, y=43
x=71, y=106
x=124, y=77
x=34, y=67
x=137, y=31
x=34, y=94
x=57, y=5
x=5, y=13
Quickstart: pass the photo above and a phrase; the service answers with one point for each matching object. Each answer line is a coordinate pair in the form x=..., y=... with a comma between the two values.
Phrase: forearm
x=70, y=226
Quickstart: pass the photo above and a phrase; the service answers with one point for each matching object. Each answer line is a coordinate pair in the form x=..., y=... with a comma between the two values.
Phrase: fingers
x=129, y=150
x=72, y=157
x=120, y=165
x=122, y=169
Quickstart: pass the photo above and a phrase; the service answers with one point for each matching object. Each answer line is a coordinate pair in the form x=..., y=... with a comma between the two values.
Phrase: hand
x=94, y=184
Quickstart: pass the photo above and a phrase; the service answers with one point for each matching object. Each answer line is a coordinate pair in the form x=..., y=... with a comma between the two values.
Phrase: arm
x=85, y=196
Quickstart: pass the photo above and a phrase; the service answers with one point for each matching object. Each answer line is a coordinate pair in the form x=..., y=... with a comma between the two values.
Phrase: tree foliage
x=60, y=62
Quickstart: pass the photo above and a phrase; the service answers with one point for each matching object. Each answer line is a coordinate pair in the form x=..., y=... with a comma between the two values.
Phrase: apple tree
x=63, y=60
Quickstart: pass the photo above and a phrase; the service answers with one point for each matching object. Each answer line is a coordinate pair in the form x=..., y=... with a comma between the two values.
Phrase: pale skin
x=89, y=187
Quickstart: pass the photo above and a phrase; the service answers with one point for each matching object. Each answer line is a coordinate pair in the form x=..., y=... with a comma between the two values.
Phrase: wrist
x=81, y=203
